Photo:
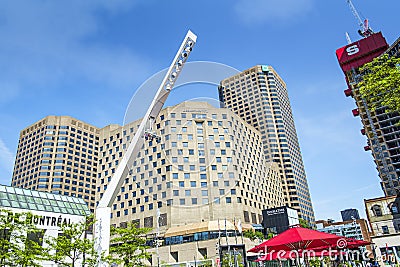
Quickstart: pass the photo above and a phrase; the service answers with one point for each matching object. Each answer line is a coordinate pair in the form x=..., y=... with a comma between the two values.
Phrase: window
x=376, y=209
x=385, y=229
x=394, y=208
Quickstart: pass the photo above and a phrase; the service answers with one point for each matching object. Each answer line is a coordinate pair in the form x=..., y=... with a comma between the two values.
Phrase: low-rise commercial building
x=384, y=216
x=355, y=229
x=50, y=211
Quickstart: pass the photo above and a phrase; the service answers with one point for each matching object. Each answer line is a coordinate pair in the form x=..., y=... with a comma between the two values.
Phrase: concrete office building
x=58, y=154
x=209, y=165
x=380, y=128
x=260, y=97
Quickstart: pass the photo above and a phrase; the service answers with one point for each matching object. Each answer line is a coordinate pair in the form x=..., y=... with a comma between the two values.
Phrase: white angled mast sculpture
x=144, y=132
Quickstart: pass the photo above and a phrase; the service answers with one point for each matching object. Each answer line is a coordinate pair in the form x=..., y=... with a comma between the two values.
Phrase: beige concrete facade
x=384, y=217
x=198, y=250
x=259, y=96
x=58, y=154
x=209, y=165
x=383, y=214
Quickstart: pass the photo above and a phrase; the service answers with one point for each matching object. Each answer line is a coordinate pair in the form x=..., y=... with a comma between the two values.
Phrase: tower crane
x=364, y=29
x=144, y=133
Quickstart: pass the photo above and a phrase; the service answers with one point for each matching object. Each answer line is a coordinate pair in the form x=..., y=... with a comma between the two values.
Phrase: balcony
x=348, y=92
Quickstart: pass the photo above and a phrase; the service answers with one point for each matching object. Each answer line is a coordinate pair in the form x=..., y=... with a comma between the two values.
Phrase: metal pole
x=157, y=235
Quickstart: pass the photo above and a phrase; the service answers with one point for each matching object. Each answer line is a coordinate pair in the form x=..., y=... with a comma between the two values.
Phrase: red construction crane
x=364, y=29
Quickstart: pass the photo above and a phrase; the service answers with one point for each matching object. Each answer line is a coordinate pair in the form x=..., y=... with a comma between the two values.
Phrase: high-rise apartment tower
x=380, y=128
x=259, y=96
x=58, y=154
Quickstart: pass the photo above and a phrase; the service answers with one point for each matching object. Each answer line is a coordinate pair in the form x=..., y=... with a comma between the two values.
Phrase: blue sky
x=86, y=59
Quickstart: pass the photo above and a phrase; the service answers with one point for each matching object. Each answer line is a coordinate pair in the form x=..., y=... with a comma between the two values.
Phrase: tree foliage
x=128, y=245
x=380, y=85
x=253, y=235
x=303, y=223
x=20, y=240
x=72, y=245
x=234, y=258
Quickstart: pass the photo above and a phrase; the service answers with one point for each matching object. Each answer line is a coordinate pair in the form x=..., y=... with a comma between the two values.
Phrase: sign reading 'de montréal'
x=39, y=219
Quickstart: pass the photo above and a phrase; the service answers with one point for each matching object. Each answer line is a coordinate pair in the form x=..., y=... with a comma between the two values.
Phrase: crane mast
x=145, y=132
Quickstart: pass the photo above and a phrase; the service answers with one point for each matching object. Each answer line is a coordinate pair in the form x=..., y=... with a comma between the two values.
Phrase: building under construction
x=380, y=128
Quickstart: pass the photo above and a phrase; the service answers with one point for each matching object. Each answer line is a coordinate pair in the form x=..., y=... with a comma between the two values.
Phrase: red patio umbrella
x=294, y=254
x=344, y=243
x=298, y=238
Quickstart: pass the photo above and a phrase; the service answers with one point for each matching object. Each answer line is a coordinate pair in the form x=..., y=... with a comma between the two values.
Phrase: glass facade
x=12, y=197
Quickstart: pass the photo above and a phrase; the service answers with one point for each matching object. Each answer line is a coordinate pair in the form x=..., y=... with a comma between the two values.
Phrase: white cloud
x=260, y=11
x=46, y=42
x=6, y=157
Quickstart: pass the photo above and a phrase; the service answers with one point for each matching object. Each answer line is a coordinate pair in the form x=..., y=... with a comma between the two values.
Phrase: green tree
x=253, y=235
x=20, y=240
x=303, y=223
x=72, y=245
x=128, y=245
x=380, y=84
x=270, y=235
x=314, y=262
x=234, y=258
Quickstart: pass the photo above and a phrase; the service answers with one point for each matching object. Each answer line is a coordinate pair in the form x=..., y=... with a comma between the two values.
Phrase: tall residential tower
x=380, y=128
x=259, y=96
x=58, y=154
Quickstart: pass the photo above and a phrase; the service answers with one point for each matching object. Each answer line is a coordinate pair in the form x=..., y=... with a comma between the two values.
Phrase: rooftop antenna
x=348, y=38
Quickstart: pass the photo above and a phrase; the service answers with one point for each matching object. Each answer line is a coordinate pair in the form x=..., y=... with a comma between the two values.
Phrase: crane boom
x=355, y=13
x=103, y=210
x=364, y=29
